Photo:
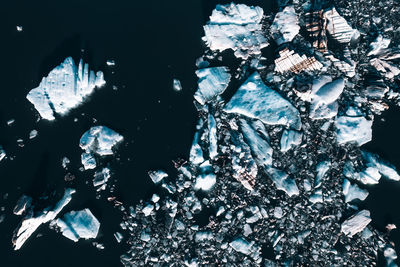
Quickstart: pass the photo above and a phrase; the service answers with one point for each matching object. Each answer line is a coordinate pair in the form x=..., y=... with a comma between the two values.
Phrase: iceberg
x=101, y=178
x=338, y=27
x=379, y=45
x=290, y=139
x=79, y=224
x=65, y=88
x=212, y=82
x=256, y=100
x=352, y=192
x=353, y=129
x=285, y=26
x=23, y=204
x=322, y=168
x=99, y=140
x=157, y=176
x=236, y=27
x=2, y=153
x=176, y=84
x=196, y=153
x=212, y=136
x=356, y=223
x=241, y=245
x=30, y=223
x=283, y=182
x=206, y=179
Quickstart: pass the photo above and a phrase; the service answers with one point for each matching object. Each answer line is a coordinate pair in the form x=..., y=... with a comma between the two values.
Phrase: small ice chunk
x=378, y=45
x=30, y=223
x=148, y=209
x=283, y=182
x=290, y=139
x=65, y=161
x=157, y=176
x=155, y=198
x=241, y=245
x=212, y=136
x=237, y=27
x=196, y=153
x=256, y=100
x=176, y=84
x=101, y=177
x=390, y=256
x=353, y=129
x=79, y=224
x=356, y=223
x=19, y=28
x=285, y=26
x=278, y=213
x=212, y=82
x=206, y=178
x=100, y=140
x=316, y=197
x=352, y=191
x=322, y=169
x=65, y=88
x=10, y=122
x=110, y=62
x=2, y=153
x=118, y=236
x=23, y=204
x=33, y=134
x=88, y=161
x=338, y=27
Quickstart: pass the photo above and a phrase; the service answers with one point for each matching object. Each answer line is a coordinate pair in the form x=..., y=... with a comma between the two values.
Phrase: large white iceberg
x=98, y=140
x=236, y=27
x=64, y=88
x=352, y=191
x=31, y=223
x=256, y=100
x=285, y=26
x=79, y=224
x=212, y=82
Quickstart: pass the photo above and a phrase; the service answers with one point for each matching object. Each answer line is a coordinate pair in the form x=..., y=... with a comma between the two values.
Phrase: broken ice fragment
x=236, y=27
x=23, y=204
x=285, y=26
x=101, y=178
x=33, y=134
x=283, y=182
x=79, y=224
x=290, y=139
x=88, y=161
x=100, y=140
x=212, y=83
x=30, y=223
x=206, y=178
x=338, y=27
x=241, y=245
x=196, y=153
x=65, y=87
x=256, y=100
x=148, y=209
x=378, y=45
x=157, y=176
x=356, y=223
x=2, y=153
x=353, y=129
x=322, y=168
x=352, y=191
x=176, y=84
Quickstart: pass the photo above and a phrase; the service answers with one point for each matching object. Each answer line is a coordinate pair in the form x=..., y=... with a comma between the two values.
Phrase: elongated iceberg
x=256, y=100
x=64, y=88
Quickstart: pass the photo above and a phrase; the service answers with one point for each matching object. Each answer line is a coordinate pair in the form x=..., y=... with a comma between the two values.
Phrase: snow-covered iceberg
x=212, y=82
x=30, y=223
x=79, y=224
x=64, y=88
x=256, y=100
x=236, y=27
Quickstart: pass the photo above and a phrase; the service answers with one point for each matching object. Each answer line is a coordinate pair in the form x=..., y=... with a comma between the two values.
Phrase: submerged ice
x=65, y=87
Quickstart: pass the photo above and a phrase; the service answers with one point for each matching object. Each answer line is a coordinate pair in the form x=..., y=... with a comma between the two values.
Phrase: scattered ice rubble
x=65, y=87
x=263, y=171
x=100, y=141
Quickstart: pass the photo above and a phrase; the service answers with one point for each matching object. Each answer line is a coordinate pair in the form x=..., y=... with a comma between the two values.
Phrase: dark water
x=152, y=42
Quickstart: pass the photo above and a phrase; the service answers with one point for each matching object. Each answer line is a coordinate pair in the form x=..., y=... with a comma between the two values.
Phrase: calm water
x=152, y=42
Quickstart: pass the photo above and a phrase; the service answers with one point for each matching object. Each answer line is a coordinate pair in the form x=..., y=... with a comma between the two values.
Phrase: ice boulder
x=212, y=82
x=206, y=178
x=65, y=87
x=256, y=100
x=285, y=26
x=79, y=224
x=355, y=129
x=282, y=181
x=237, y=27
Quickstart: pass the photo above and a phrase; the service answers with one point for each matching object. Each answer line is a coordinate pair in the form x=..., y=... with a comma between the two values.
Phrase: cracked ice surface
x=30, y=223
x=236, y=27
x=65, y=87
x=79, y=224
x=256, y=100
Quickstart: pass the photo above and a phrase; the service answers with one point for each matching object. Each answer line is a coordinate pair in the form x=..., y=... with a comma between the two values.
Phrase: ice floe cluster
x=276, y=172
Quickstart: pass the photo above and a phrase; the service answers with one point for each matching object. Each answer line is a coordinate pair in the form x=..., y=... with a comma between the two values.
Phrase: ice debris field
x=265, y=163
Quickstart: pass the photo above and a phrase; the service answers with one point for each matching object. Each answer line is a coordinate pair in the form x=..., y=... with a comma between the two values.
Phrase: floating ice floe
x=285, y=26
x=100, y=178
x=65, y=87
x=356, y=223
x=352, y=192
x=236, y=27
x=23, y=204
x=157, y=176
x=338, y=27
x=289, y=139
x=98, y=140
x=79, y=224
x=325, y=92
x=176, y=84
x=288, y=60
x=256, y=100
x=2, y=153
x=212, y=82
x=31, y=222
x=355, y=129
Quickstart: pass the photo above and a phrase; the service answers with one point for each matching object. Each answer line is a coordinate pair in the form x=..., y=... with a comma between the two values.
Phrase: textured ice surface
x=285, y=26
x=289, y=139
x=356, y=223
x=101, y=178
x=176, y=84
x=352, y=191
x=212, y=82
x=378, y=45
x=99, y=140
x=256, y=100
x=353, y=129
x=31, y=222
x=65, y=87
x=236, y=27
x=79, y=224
